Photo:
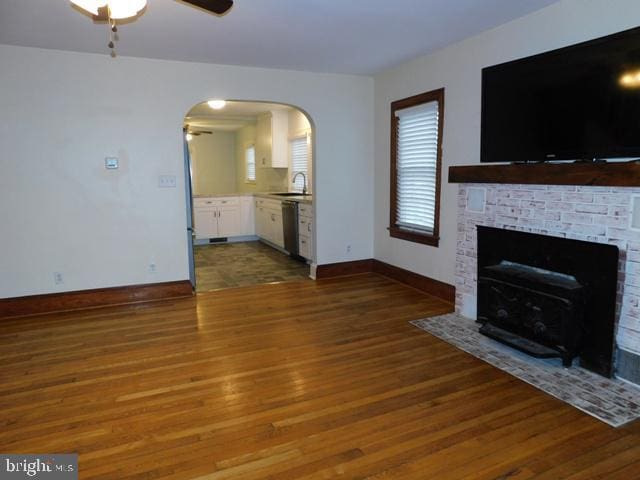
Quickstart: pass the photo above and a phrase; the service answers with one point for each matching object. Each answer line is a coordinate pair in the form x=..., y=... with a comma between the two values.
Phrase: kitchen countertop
x=308, y=199
x=294, y=198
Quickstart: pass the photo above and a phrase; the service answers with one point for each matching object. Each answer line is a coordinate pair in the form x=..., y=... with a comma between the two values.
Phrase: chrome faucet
x=304, y=184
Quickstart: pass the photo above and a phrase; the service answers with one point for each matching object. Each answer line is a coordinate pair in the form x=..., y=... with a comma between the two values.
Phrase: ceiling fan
x=111, y=11
x=190, y=133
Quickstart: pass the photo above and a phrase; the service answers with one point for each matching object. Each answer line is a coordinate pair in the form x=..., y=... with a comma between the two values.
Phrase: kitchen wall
x=62, y=211
x=298, y=123
x=267, y=179
x=213, y=163
x=457, y=68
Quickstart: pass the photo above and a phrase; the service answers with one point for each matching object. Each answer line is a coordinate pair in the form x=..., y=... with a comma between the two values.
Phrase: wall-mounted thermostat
x=111, y=163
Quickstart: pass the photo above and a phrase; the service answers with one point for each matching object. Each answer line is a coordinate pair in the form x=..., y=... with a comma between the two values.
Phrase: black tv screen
x=575, y=103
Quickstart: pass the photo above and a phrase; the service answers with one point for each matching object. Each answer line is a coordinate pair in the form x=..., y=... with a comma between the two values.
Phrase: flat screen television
x=576, y=103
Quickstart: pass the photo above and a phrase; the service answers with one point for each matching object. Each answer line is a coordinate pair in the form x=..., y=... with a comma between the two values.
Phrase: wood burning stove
x=548, y=296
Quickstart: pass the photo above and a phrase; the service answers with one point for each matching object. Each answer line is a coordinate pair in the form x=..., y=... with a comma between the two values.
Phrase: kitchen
x=252, y=203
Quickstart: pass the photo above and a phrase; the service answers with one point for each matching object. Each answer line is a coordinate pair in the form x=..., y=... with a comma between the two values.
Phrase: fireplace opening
x=548, y=296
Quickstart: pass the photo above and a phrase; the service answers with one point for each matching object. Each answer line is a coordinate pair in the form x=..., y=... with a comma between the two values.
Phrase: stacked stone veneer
x=597, y=214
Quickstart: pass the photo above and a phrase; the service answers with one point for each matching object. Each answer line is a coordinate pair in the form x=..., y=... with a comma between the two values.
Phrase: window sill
x=416, y=237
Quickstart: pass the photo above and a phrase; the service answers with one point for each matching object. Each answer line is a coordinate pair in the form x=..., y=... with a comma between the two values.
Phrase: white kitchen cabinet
x=247, y=216
x=272, y=135
x=229, y=221
x=268, y=221
x=205, y=222
x=217, y=217
x=305, y=231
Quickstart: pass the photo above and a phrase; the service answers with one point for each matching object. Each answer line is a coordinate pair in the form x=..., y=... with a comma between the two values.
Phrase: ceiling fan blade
x=219, y=7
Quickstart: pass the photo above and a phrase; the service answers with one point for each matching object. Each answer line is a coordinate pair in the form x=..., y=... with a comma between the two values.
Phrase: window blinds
x=416, y=166
x=251, y=163
x=299, y=161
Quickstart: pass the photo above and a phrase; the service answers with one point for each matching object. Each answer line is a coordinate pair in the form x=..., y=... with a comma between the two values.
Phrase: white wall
x=61, y=211
x=267, y=179
x=213, y=163
x=458, y=69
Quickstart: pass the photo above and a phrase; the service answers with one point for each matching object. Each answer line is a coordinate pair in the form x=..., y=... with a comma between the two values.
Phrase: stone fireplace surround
x=596, y=214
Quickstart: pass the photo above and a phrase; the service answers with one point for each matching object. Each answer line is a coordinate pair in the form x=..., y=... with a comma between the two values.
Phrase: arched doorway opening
x=250, y=195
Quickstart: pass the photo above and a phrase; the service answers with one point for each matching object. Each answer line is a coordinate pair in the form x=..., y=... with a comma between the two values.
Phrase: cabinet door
x=277, y=230
x=304, y=247
x=279, y=139
x=228, y=221
x=261, y=222
x=247, y=216
x=205, y=223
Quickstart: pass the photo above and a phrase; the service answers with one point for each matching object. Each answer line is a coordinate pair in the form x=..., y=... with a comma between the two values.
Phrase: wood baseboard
x=428, y=285
x=102, y=297
x=342, y=269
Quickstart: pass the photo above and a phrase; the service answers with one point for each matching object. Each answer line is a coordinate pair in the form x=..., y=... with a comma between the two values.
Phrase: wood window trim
x=395, y=231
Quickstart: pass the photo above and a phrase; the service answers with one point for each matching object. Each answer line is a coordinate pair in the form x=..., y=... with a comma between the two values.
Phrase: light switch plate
x=167, y=181
x=111, y=163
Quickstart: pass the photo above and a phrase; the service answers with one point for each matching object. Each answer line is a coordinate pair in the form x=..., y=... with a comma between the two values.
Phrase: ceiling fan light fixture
x=90, y=6
x=217, y=104
x=118, y=9
x=121, y=9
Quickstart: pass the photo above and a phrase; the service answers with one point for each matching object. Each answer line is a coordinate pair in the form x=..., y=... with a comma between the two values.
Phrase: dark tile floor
x=241, y=264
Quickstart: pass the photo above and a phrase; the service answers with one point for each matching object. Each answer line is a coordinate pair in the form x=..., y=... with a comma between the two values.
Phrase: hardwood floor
x=304, y=380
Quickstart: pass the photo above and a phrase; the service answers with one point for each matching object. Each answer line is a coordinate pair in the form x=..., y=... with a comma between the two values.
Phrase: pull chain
x=113, y=33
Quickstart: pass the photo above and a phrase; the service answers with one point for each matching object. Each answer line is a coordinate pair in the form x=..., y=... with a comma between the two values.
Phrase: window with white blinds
x=250, y=159
x=416, y=168
x=299, y=151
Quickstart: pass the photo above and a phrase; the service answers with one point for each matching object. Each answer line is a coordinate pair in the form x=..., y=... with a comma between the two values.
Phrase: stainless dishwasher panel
x=290, y=226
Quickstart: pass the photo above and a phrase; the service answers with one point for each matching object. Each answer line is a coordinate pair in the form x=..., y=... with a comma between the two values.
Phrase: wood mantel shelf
x=610, y=174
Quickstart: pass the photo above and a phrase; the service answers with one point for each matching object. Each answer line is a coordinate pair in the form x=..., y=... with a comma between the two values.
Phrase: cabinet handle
x=309, y=227
x=273, y=217
x=304, y=242
x=224, y=202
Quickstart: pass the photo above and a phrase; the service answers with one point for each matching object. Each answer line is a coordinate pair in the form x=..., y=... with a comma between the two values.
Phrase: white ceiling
x=342, y=36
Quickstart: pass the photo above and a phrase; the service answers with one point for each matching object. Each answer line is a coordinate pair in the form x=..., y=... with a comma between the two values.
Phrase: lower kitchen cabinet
x=305, y=231
x=219, y=217
x=269, y=221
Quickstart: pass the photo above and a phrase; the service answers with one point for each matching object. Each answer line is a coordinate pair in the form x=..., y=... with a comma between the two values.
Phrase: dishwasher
x=290, y=227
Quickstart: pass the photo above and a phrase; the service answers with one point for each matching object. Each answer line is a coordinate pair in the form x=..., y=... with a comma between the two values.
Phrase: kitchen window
x=299, y=158
x=250, y=161
x=416, y=157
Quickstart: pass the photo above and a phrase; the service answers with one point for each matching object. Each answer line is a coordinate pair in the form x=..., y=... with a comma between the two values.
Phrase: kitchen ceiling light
x=217, y=104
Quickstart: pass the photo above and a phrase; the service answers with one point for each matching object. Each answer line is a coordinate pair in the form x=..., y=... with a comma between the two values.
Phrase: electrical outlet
x=348, y=248
x=167, y=181
x=153, y=268
x=57, y=278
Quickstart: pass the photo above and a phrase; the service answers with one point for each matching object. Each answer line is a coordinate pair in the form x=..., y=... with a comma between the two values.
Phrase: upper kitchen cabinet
x=272, y=133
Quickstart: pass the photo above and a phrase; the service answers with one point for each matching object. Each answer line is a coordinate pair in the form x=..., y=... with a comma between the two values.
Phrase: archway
x=250, y=209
